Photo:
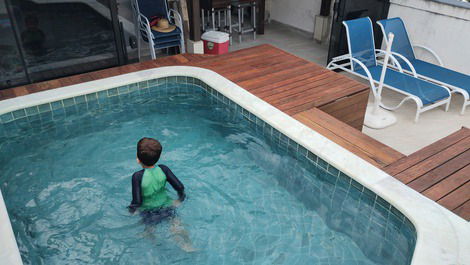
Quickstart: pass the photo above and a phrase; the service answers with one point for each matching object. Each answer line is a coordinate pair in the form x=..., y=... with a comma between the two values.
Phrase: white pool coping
x=443, y=237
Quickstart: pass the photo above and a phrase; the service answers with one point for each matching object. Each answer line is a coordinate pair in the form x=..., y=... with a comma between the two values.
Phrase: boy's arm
x=136, y=191
x=174, y=182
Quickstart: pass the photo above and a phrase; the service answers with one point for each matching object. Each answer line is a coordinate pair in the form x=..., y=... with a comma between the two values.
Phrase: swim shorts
x=156, y=216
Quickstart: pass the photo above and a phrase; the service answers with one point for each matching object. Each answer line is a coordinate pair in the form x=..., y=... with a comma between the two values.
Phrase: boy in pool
x=149, y=194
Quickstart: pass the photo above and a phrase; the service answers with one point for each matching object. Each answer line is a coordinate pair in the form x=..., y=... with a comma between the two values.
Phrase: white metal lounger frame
x=453, y=89
x=143, y=27
x=420, y=108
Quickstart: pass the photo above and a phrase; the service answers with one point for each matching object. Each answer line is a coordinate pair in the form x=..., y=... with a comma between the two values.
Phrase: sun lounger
x=457, y=82
x=362, y=61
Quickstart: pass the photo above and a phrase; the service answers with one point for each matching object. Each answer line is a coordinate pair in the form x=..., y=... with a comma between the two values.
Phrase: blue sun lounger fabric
x=403, y=46
x=361, y=47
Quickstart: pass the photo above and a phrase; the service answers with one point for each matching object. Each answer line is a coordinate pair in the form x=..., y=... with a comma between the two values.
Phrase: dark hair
x=148, y=151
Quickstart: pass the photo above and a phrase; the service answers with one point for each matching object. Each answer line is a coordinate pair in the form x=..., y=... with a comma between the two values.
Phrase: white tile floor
x=404, y=136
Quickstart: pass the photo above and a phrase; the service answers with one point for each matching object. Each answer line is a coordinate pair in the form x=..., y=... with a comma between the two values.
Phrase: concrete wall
x=445, y=28
x=296, y=13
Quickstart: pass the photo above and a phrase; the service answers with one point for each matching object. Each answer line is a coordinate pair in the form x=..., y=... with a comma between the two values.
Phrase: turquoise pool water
x=67, y=181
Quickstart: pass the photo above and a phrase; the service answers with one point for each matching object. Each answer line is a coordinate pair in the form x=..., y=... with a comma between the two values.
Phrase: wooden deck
x=331, y=104
x=440, y=171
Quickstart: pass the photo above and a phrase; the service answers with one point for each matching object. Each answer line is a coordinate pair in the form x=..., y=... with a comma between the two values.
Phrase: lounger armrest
x=433, y=53
x=369, y=76
x=395, y=61
x=341, y=58
x=413, y=71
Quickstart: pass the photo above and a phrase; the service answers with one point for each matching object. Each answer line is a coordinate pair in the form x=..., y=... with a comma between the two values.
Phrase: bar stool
x=239, y=27
x=218, y=14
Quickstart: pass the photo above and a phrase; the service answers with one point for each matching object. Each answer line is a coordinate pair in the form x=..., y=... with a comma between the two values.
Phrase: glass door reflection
x=60, y=38
x=12, y=71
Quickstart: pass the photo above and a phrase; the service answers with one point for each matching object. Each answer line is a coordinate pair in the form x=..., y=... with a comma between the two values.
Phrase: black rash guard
x=137, y=191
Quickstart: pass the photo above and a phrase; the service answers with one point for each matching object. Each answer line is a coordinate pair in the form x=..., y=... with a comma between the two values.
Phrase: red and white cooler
x=215, y=42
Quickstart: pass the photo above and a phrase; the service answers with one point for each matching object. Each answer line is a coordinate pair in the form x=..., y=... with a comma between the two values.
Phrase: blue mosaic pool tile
x=368, y=195
x=343, y=181
x=57, y=105
x=355, y=193
x=383, y=203
x=68, y=102
x=356, y=184
x=380, y=209
x=32, y=111
x=46, y=116
x=181, y=79
x=17, y=114
x=151, y=82
x=80, y=99
x=45, y=108
x=171, y=79
x=143, y=84
x=396, y=213
x=22, y=123
x=112, y=92
x=123, y=89
x=322, y=163
x=91, y=97
x=312, y=157
x=82, y=108
x=332, y=170
x=58, y=114
x=33, y=118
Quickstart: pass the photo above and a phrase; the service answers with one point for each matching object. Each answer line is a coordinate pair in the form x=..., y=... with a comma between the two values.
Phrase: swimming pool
x=255, y=195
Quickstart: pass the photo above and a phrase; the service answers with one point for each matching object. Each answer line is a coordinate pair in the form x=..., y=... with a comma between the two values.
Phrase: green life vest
x=154, y=193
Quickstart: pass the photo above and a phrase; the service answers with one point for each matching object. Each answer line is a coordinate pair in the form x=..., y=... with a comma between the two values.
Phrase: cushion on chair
x=159, y=35
x=426, y=91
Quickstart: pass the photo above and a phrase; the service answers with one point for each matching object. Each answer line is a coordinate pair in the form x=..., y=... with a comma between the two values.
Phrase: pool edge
x=442, y=236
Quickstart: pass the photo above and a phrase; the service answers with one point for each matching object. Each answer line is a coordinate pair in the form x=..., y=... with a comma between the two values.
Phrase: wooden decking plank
x=283, y=95
x=434, y=161
x=456, y=198
x=352, y=101
x=441, y=172
x=270, y=90
x=364, y=146
x=264, y=71
x=427, y=151
x=449, y=184
x=339, y=140
x=463, y=210
x=304, y=104
x=306, y=94
x=279, y=78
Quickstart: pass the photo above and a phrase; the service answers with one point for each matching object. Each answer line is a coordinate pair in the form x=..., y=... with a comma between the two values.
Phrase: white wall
x=296, y=13
x=443, y=28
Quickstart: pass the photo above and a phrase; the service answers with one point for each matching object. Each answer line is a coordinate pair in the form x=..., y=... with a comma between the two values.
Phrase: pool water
x=67, y=183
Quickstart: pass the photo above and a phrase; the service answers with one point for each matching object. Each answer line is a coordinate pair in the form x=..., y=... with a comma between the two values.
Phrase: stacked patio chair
x=457, y=82
x=362, y=61
x=144, y=11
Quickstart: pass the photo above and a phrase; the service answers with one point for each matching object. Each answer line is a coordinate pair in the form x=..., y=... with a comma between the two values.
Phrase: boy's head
x=148, y=151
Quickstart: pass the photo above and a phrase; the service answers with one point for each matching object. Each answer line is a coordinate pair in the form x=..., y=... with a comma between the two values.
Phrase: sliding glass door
x=53, y=38
x=12, y=71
